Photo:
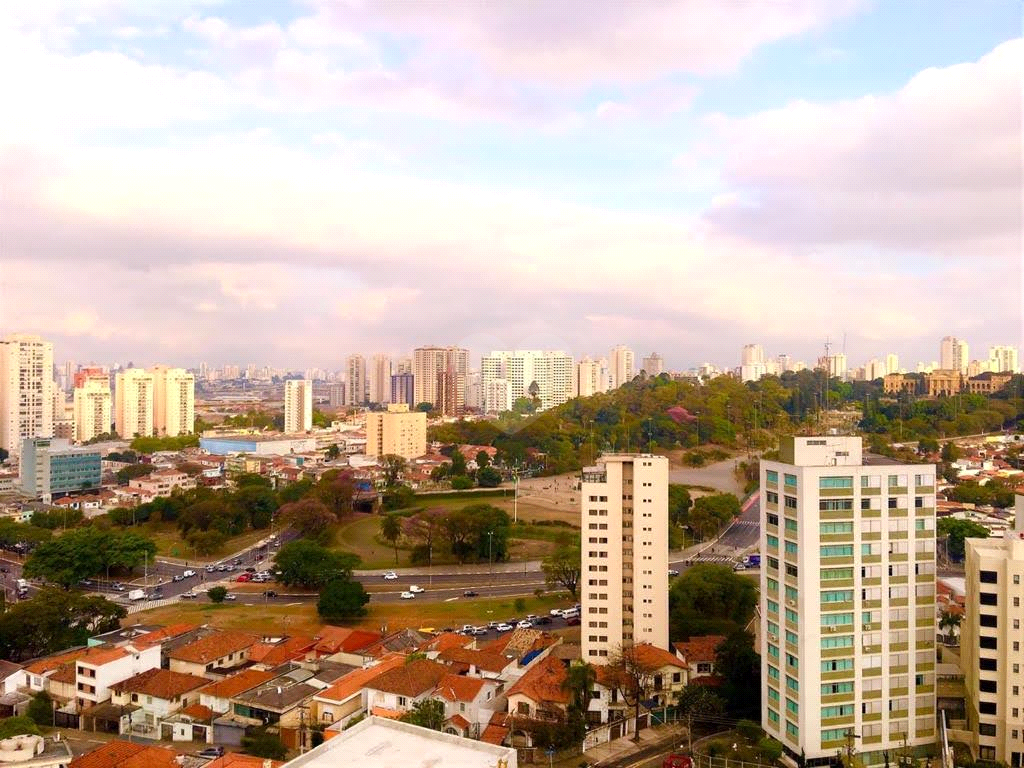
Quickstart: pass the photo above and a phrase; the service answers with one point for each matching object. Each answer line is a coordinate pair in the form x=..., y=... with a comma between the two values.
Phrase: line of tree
x=53, y=620
x=474, y=533
x=84, y=552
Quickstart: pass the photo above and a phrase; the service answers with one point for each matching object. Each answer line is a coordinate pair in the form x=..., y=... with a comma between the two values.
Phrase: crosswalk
x=712, y=559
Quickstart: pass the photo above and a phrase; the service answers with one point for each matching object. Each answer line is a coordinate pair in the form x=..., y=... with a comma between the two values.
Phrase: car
x=270, y=593
x=117, y=586
x=244, y=577
x=237, y=561
x=211, y=568
x=407, y=595
x=503, y=627
x=524, y=624
x=189, y=596
x=212, y=752
x=543, y=620
x=229, y=567
x=740, y=567
x=478, y=631
x=466, y=628
x=177, y=577
x=556, y=611
x=222, y=567
x=188, y=574
x=390, y=575
x=673, y=572
x=416, y=589
x=250, y=569
x=470, y=593
x=231, y=596
x=531, y=617
x=573, y=621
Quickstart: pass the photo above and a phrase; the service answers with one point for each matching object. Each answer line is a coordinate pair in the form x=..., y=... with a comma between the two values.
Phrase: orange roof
x=485, y=660
x=160, y=683
x=234, y=685
x=213, y=647
x=459, y=721
x=238, y=760
x=699, y=649
x=101, y=654
x=198, y=712
x=166, y=633
x=543, y=682
x=335, y=639
x=459, y=688
x=411, y=679
x=65, y=673
x=125, y=754
x=357, y=679
x=494, y=734
x=444, y=641
x=273, y=654
x=390, y=714
x=50, y=663
x=652, y=656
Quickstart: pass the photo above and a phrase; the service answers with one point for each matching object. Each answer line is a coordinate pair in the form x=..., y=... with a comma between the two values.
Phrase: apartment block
x=298, y=405
x=133, y=403
x=544, y=375
x=397, y=431
x=847, y=601
x=954, y=354
x=427, y=363
x=990, y=644
x=52, y=466
x=654, y=364
x=624, y=576
x=92, y=403
x=26, y=389
x=379, y=379
x=621, y=362
x=174, y=401
x=403, y=389
x=356, y=385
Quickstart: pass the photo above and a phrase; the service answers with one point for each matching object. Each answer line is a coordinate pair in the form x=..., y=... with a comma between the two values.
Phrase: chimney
x=267, y=763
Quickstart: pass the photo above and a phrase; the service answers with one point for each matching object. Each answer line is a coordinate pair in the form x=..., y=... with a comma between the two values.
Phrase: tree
x=391, y=530
x=309, y=516
x=398, y=496
x=679, y=503
x=428, y=713
x=40, y=709
x=255, y=504
x=53, y=620
x=424, y=407
x=927, y=445
x=265, y=745
x=769, y=749
x=305, y=563
x=482, y=460
x=579, y=682
x=632, y=676
x=461, y=483
x=336, y=490
x=562, y=569
x=17, y=726
x=458, y=463
x=332, y=452
x=394, y=467
x=133, y=471
x=739, y=665
x=342, y=598
x=217, y=594
x=709, y=598
x=700, y=702
x=949, y=622
x=956, y=531
x=950, y=452
x=488, y=477
x=84, y=552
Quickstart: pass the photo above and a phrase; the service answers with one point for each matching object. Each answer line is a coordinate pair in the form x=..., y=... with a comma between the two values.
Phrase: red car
x=244, y=577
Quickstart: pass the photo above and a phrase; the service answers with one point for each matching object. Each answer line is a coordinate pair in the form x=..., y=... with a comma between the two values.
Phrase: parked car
x=557, y=611
x=270, y=593
x=189, y=596
x=416, y=589
x=177, y=577
x=211, y=568
x=407, y=595
x=673, y=572
x=466, y=628
x=543, y=620
x=470, y=593
x=244, y=577
x=739, y=567
x=573, y=621
x=117, y=586
x=478, y=631
x=524, y=624
x=390, y=575
x=503, y=627
x=531, y=617
x=250, y=569
x=212, y=752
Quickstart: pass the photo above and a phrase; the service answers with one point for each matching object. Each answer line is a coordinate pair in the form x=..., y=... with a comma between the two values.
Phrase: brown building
x=895, y=383
x=988, y=383
x=942, y=382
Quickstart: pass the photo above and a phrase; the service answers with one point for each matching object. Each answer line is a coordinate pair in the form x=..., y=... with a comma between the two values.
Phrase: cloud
x=934, y=168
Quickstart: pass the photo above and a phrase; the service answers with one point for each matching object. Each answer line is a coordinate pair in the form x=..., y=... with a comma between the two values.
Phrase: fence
x=707, y=761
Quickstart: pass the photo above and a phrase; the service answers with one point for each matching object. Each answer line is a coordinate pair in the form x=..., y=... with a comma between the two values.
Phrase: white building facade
x=552, y=372
x=26, y=389
x=298, y=405
x=174, y=401
x=93, y=413
x=133, y=403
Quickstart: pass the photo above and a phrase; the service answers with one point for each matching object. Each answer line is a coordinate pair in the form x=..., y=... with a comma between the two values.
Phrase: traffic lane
x=466, y=580
x=445, y=595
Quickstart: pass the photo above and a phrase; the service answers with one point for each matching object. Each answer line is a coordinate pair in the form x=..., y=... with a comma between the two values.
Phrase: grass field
x=170, y=544
x=303, y=619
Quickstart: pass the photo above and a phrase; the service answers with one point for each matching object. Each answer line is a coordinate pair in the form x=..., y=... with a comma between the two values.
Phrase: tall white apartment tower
x=623, y=581
x=92, y=404
x=174, y=401
x=654, y=364
x=588, y=378
x=621, y=362
x=298, y=405
x=847, y=600
x=552, y=372
x=133, y=403
x=752, y=362
x=953, y=354
x=991, y=644
x=355, y=384
x=379, y=379
x=26, y=390
x=1003, y=360
x=892, y=363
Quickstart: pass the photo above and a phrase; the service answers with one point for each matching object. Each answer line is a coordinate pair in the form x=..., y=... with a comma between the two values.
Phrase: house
x=217, y=696
x=400, y=641
x=664, y=676
x=270, y=653
x=155, y=695
x=163, y=482
x=698, y=653
x=469, y=703
x=238, y=760
x=213, y=655
x=11, y=676
x=126, y=754
x=398, y=689
x=540, y=694
x=36, y=673
x=442, y=642
x=476, y=663
x=101, y=667
x=346, y=699
x=344, y=643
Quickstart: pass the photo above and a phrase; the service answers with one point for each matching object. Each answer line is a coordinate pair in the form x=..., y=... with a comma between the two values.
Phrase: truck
x=137, y=594
x=22, y=585
x=753, y=561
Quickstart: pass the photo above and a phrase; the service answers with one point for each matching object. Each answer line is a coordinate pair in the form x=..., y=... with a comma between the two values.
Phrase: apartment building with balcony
x=847, y=601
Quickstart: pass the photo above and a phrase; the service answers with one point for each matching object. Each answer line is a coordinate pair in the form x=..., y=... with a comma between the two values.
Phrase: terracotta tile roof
x=160, y=683
x=166, y=633
x=50, y=663
x=699, y=649
x=238, y=760
x=213, y=647
x=459, y=721
x=494, y=734
x=485, y=660
x=411, y=679
x=198, y=712
x=459, y=688
x=444, y=641
x=390, y=714
x=236, y=684
x=543, y=682
x=336, y=639
x=358, y=679
x=650, y=655
x=65, y=674
x=275, y=654
x=124, y=754
x=520, y=642
x=99, y=655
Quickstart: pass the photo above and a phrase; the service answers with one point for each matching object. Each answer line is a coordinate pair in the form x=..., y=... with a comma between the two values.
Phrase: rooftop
x=125, y=754
x=543, y=682
x=160, y=683
x=411, y=679
x=212, y=647
x=236, y=684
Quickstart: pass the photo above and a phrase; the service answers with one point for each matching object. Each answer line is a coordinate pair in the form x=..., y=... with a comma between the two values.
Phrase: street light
x=490, y=555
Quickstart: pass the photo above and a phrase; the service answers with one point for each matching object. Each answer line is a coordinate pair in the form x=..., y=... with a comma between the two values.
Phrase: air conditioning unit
x=867, y=627
x=832, y=629
x=791, y=602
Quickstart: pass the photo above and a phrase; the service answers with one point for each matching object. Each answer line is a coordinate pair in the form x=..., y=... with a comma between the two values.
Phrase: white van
x=187, y=574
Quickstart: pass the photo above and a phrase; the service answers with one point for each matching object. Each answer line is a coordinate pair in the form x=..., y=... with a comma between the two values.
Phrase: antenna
x=828, y=372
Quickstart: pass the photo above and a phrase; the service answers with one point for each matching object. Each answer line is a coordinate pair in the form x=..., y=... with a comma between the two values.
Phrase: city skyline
x=222, y=182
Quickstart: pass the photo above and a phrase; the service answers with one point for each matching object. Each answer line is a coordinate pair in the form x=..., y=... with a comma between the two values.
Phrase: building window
x=790, y=502
x=987, y=707
x=988, y=686
x=987, y=642
x=987, y=620
x=988, y=598
x=790, y=481
x=988, y=577
x=828, y=483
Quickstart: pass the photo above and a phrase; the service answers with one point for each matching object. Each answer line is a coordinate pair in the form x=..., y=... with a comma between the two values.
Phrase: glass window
x=773, y=541
x=790, y=481
x=772, y=476
x=835, y=482
x=837, y=550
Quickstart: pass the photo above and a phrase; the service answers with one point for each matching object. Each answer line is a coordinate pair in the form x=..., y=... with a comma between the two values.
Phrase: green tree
x=562, y=569
x=133, y=471
x=424, y=407
x=398, y=496
x=309, y=516
x=305, y=563
x=709, y=598
x=631, y=673
x=40, y=709
x=488, y=477
x=320, y=419
x=428, y=713
x=217, y=594
x=461, y=483
x=336, y=489
x=679, y=503
x=342, y=598
x=950, y=622
x=332, y=452
x=394, y=467
x=53, y=620
x=84, y=552
x=950, y=452
x=255, y=504
x=482, y=460
x=391, y=530
x=17, y=726
x=265, y=745
x=701, y=702
x=769, y=749
x=956, y=531
x=739, y=666
x=927, y=445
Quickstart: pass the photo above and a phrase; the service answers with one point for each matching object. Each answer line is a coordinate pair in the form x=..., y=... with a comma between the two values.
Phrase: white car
x=524, y=624
x=188, y=574
x=407, y=595
x=503, y=627
x=230, y=596
x=557, y=611
x=466, y=628
x=416, y=589
x=390, y=575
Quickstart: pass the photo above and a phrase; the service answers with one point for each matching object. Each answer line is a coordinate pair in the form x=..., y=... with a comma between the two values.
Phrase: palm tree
x=950, y=621
x=579, y=682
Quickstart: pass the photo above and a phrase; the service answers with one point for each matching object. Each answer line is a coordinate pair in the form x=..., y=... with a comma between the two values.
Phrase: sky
x=291, y=182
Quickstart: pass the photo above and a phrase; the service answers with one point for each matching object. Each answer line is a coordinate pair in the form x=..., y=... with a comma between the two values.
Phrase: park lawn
x=302, y=618
x=169, y=542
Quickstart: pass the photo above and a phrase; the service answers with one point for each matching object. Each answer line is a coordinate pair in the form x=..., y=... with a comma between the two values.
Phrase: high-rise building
x=892, y=363
x=847, y=600
x=834, y=364
x=336, y=395
x=427, y=362
x=26, y=390
x=379, y=379
x=654, y=364
x=1003, y=359
x=546, y=376
x=403, y=390
x=498, y=396
x=174, y=401
x=623, y=577
x=621, y=362
x=355, y=384
x=398, y=431
x=953, y=354
x=874, y=369
x=752, y=363
x=298, y=405
x=402, y=365
x=92, y=404
x=51, y=466
x=589, y=378
x=133, y=403
x=990, y=643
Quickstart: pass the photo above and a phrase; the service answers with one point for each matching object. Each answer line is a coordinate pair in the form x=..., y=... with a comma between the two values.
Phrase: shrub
x=520, y=604
x=749, y=730
x=217, y=594
x=770, y=749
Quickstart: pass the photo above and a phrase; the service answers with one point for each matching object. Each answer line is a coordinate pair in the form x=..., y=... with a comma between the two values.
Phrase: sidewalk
x=625, y=752
x=453, y=569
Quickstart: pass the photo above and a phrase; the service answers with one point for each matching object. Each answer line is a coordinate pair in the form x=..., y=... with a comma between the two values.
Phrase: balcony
x=835, y=514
